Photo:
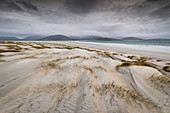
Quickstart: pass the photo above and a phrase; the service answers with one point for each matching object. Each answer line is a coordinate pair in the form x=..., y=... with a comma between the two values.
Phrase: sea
x=164, y=43
x=149, y=45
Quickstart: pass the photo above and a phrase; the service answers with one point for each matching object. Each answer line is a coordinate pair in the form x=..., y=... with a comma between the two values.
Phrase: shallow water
x=165, y=43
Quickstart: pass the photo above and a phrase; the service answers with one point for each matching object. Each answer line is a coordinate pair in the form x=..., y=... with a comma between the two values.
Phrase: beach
x=157, y=52
x=83, y=77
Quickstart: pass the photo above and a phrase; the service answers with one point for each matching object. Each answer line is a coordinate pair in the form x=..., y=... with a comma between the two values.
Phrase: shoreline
x=128, y=49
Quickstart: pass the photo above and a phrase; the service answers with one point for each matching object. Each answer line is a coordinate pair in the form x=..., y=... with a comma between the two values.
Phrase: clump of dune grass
x=1, y=55
x=82, y=57
x=131, y=57
x=44, y=47
x=143, y=59
x=102, y=54
x=127, y=95
x=38, y=47
x=88, y=68
x=29, y=57
x=114, y=54
x=3, y=51
x=74, y=57
x=15, y=47
x=125, y=64
x=52, y=65
x=141, y=63
x=162, y=83
x=100, y=68
x=69, y=47
x=73, y=85
x=108, y=55
x=58, y=90
x=158, y=60
x=2, y=60
x=161, y=79
x=166, y=68
x=7, y=42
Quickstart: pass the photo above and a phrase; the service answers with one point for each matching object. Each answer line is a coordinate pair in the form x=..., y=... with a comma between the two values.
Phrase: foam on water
x=139, y=45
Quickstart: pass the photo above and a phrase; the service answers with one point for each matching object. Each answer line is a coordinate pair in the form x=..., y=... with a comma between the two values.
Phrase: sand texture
x=39, y=77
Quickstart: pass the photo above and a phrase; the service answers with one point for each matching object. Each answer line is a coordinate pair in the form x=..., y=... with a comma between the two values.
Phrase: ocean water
x=154, y=46
x=164, y=43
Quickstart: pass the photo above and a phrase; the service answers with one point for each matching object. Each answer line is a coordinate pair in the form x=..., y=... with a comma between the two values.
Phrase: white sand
x=79, y=80
x=147, y=52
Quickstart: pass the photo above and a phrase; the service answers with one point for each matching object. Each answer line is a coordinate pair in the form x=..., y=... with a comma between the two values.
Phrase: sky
x=107, y=18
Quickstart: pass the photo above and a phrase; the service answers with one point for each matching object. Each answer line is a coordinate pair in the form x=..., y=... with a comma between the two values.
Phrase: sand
x=126, y=49
x=55, y=77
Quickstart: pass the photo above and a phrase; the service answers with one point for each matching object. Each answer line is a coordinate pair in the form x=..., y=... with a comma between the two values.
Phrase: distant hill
x=101, y=39
x=97, y=38
x=159, y=39
x=72, y=38
x=32, y=38
x=89, y=38
x=55, y=38
x=9, y=39
x=131, y=39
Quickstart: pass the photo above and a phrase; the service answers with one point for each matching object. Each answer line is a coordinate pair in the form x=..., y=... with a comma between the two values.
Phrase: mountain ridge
x=60, y=37
x=34, y=37
x=6, y=38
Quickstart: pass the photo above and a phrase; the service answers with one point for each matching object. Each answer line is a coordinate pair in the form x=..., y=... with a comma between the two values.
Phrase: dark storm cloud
x=19, y=6
x=82, y=6
x=163, y=12
x=112, y=18
x=28, y=5
x=6, y=5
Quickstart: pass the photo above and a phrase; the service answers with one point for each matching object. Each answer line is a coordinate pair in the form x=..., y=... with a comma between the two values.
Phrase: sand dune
x=61, y=78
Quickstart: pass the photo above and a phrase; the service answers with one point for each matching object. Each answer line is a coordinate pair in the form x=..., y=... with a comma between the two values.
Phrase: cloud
x=6, y=5
x=82, y=6
x=163, y=12
x=112, y=18
x=28, y=5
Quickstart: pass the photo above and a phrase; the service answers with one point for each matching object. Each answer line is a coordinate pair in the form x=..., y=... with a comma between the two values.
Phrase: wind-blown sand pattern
x=50, y=77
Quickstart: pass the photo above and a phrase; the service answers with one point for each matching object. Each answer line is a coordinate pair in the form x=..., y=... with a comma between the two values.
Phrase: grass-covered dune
x=54, y=77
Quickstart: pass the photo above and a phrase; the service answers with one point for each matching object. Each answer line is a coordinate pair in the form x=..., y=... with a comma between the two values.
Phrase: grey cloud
x=112, y=18
x=9, y=27
x=150, y=6
x=18, y=6
x=163, y=12
x=10, y=23
x=6, y=5
x=28, y=5
x=82, y=6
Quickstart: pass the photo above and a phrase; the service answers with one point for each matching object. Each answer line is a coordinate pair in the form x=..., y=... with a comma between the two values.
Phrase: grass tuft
x=131, y=57
x=100, y=68
x=161, y=79
x=3, y=51
x=166, y=68
x=126, y=94
x=88, y=68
